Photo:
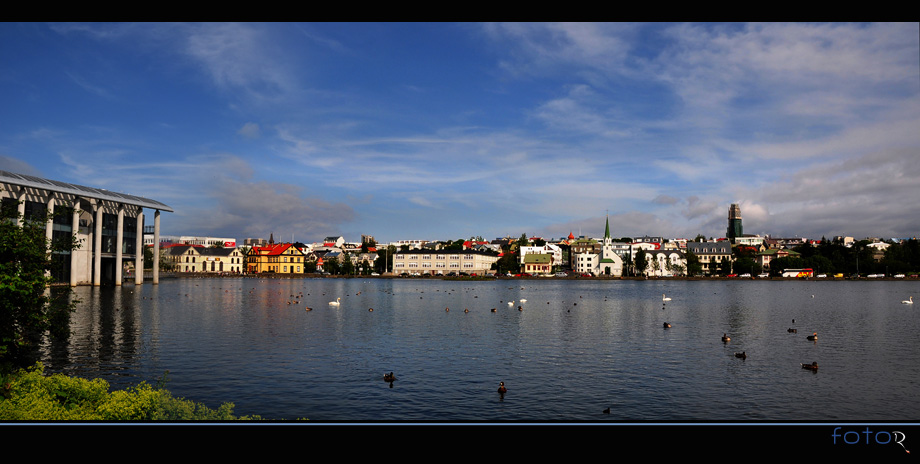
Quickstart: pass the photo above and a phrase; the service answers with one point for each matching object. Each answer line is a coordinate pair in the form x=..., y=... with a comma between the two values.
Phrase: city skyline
x=444, y=131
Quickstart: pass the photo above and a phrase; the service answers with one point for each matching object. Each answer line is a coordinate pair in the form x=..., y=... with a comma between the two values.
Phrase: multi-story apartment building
x=443, y=261
x=711, y=254
x=187, y=258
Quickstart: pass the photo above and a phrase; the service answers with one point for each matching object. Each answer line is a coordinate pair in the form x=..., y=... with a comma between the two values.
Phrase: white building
x=549, y=249
x=109, y=226
x=605, y=262
x=443, y=262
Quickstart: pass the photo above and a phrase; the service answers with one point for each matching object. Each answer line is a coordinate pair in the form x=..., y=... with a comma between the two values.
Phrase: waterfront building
x=598, y=258
x=538, y=264
x=665, y=263
x=711, y=254
x=443, y=261
x=554, y=251
x=281, y=258
x=109, y=226
x=200, y=259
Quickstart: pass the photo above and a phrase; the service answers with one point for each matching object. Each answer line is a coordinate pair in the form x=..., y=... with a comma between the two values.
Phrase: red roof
x=271, y=250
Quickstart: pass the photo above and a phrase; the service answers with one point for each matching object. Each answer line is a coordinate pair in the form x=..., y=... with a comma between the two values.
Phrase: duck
x=813, y=366
x=664, y=298
x=510, y=303
x=494, y=310
x=741, y=355
x=726, y=338
x=792, y=331
x=910, y=300
x=337, y=302
x=501, y=388
x=523, y=300
x=666, y=325
x=307, y=308
x=813, y=337
x=389, y=377
x=607, y=411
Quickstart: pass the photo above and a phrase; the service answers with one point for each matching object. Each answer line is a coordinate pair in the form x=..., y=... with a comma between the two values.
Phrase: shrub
x=29, y=395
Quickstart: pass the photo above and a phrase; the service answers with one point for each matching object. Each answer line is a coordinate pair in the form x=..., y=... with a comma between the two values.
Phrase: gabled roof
x=273, y=250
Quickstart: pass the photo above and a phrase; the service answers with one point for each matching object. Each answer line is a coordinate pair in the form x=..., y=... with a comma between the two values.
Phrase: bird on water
x=501, y=388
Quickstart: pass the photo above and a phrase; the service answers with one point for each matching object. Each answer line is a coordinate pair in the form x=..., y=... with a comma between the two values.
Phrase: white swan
x=908, y=301
x=335, y=303
x=523, y=300
x=664, y=298
x=510, y=303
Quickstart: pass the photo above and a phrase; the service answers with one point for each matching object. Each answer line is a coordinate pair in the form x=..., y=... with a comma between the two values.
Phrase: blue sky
x=445, y=131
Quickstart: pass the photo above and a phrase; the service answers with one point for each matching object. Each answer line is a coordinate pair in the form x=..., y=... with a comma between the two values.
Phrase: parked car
x=822, y=276
x=899, y=276
x=762, y=276
x=561, y=274
x=745, y=276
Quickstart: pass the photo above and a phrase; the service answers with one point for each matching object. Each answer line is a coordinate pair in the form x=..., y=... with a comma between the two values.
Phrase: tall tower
x=734, y=222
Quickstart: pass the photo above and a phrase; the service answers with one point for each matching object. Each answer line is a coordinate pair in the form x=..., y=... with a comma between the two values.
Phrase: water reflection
x=573, y=348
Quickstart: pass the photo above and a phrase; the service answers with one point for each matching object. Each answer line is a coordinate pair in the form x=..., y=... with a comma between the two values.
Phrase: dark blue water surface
x=576, y=348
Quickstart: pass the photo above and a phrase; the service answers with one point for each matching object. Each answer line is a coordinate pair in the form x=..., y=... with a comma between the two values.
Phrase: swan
x=523, y=300
x=510, y=303
x=908, y=301
x=335, y=303
x=664, y=298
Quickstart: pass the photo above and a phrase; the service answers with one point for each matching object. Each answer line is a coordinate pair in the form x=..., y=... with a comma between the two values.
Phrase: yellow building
x=282, y=258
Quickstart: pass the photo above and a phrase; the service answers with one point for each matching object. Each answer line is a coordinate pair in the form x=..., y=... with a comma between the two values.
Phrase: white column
x=97, y=253
x=21, y=207
x=49, y=226
x=119, y=239
x=156, y=247
x=139, y=249
x=75, y=229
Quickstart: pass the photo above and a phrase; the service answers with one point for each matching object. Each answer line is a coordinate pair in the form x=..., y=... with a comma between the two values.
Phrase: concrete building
x=734, y=223
x=192, y=259
x=711, y=254
x=109, y=226
x=443, y=261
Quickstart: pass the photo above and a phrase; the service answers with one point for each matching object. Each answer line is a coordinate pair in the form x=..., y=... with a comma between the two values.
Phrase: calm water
x=578, y=347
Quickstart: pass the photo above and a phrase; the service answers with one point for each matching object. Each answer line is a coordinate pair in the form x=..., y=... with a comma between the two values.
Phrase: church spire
x=607, y=231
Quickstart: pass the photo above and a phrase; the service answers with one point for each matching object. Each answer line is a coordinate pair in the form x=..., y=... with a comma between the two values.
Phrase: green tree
x=348, y=267
x=641, y=261
x=28, y=308
x=693, y=264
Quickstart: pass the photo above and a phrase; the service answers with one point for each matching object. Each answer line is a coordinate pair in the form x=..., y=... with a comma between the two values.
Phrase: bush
x=29, y=395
